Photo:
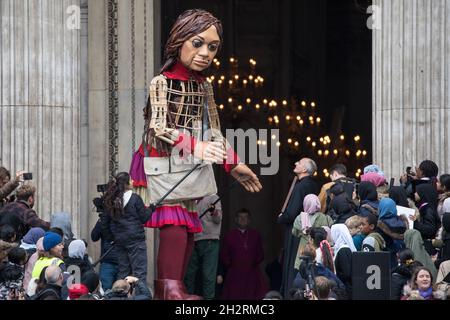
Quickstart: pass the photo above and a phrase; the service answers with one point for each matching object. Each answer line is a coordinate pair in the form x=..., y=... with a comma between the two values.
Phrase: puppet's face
x=198, y=52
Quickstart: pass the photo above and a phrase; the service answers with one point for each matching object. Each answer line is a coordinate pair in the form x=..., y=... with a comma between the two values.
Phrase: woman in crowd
x=422, y=283
x=52, y=255
x=368, y=198
x=29, y=240
x=311, y=217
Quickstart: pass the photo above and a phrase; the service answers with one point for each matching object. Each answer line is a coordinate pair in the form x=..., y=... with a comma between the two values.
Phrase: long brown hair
x=188, y=24
x=114, y=194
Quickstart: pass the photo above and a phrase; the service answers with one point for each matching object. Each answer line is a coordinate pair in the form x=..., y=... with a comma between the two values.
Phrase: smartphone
x=28, y=176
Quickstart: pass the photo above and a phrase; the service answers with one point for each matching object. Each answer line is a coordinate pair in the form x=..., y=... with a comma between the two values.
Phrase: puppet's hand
x=210, y=151
x=246, y=177
x=167, y=135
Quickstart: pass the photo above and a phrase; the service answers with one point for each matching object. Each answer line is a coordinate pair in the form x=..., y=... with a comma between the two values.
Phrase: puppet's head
x=194, y=40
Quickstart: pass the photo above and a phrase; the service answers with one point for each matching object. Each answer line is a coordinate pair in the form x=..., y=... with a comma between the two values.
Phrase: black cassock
x=302, y=188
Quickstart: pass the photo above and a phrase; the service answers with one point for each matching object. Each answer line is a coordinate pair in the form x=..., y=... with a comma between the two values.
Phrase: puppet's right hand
x=167, y=135
x=210, y=151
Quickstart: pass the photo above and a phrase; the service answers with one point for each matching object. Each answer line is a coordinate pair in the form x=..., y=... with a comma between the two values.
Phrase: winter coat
x=399, y=278
x=141, y=293
x=83, y=264
x=21, y=217
x=49, y=292
x=97, y=234
x=128, y=229
x=410, y=294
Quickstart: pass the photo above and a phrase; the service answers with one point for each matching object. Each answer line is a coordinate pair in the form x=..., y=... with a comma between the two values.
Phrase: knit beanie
x=51, y=240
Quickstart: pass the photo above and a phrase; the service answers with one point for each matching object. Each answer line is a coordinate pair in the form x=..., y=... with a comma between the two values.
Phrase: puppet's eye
x=213, y=47
x=197, y=43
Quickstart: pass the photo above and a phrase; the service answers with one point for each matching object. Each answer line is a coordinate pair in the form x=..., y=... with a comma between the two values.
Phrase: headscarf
x=77, y=249
x=374, y=169
x=414, y=241
x=63, y=220
x=311, y=205
x=367, y=191
x=376, y=178
x=33, y=235
x=427, y=194
x=341, y=204
x=341, y=238
x=387, y=209
x=398, y=194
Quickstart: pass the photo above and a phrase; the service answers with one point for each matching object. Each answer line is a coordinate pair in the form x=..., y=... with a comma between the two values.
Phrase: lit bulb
x=318, y=120
x=314, y=144
x=308, y=139
x=357, y=174
x=315, y=173
x=244, y=81
x=301, y=122
x=270, y=119
x=364, y=152
x=327, y=152
x=335, y=151
x=288, y=117
x=230, y=82
x=250, y=77
x=264, y=142
x=289, y=140
x=321, y=139
x=357, y=138
x=230, y=100
x=257, y=106
x=277, y=121
x=218, y=63
x=296, y=143
x=284, y=102
x=313, y=104
x=259, y=142
x=274, y=137
x=303, y=103
x=215, y=60
x=236, y=77
x=347, y=153
x=319, y=152
x=219, y=81
x=248, y=100
x=278, y=143
x=239, y=107
x=325, y=170
x=359, y=170
x=265, y=101
x=299, y=118
x=256, y=80
x=221, y=106
x=231, y=59
x=222, y=77
x=311, y=118
x=342, y=137
x=261, y=79
x=327, y=174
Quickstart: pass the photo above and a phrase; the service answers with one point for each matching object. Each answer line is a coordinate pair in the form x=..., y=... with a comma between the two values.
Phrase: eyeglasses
x=197, y=43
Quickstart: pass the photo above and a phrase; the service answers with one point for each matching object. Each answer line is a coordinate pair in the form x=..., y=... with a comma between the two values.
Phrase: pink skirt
x=179, y=214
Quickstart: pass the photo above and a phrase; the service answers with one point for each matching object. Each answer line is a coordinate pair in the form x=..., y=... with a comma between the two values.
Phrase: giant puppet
x=182, y=129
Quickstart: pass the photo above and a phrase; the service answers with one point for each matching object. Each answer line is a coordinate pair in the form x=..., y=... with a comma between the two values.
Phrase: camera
x=28, y=176
x=102, y=188
x=409, y=172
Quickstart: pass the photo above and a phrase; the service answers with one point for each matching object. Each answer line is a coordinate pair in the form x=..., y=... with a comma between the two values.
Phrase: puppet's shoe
x=167, y=289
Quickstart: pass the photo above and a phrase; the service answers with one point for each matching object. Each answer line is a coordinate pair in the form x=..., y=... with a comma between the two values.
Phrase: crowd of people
x=324, y=228
x=42, y=260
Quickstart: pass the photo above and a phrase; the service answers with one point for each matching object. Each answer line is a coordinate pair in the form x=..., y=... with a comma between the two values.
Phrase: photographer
x=109, y=263
x=7, y=186
x=20, y=214
x=426, y=173
x=131, y=288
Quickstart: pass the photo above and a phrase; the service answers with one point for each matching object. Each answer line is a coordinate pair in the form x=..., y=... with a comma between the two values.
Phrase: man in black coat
x=304, y=169
x=52, y=290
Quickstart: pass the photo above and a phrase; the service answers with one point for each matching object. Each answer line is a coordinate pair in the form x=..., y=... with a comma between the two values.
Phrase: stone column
x=411, y=84
x=40, y=99
x=121, y=65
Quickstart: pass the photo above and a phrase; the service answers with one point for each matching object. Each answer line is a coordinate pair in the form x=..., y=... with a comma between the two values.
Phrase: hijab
x=311, y=205
x=427, y=194
x=341, y=238
x=33, y=235
x=387, y=209
x=77, y=249
x=367, y=191
x=398, y=194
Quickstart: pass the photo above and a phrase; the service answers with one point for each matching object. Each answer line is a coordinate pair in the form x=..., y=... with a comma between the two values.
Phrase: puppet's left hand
x=246, y=177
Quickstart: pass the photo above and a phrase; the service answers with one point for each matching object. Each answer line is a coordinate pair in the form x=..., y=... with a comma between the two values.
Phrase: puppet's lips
x=202, y=63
